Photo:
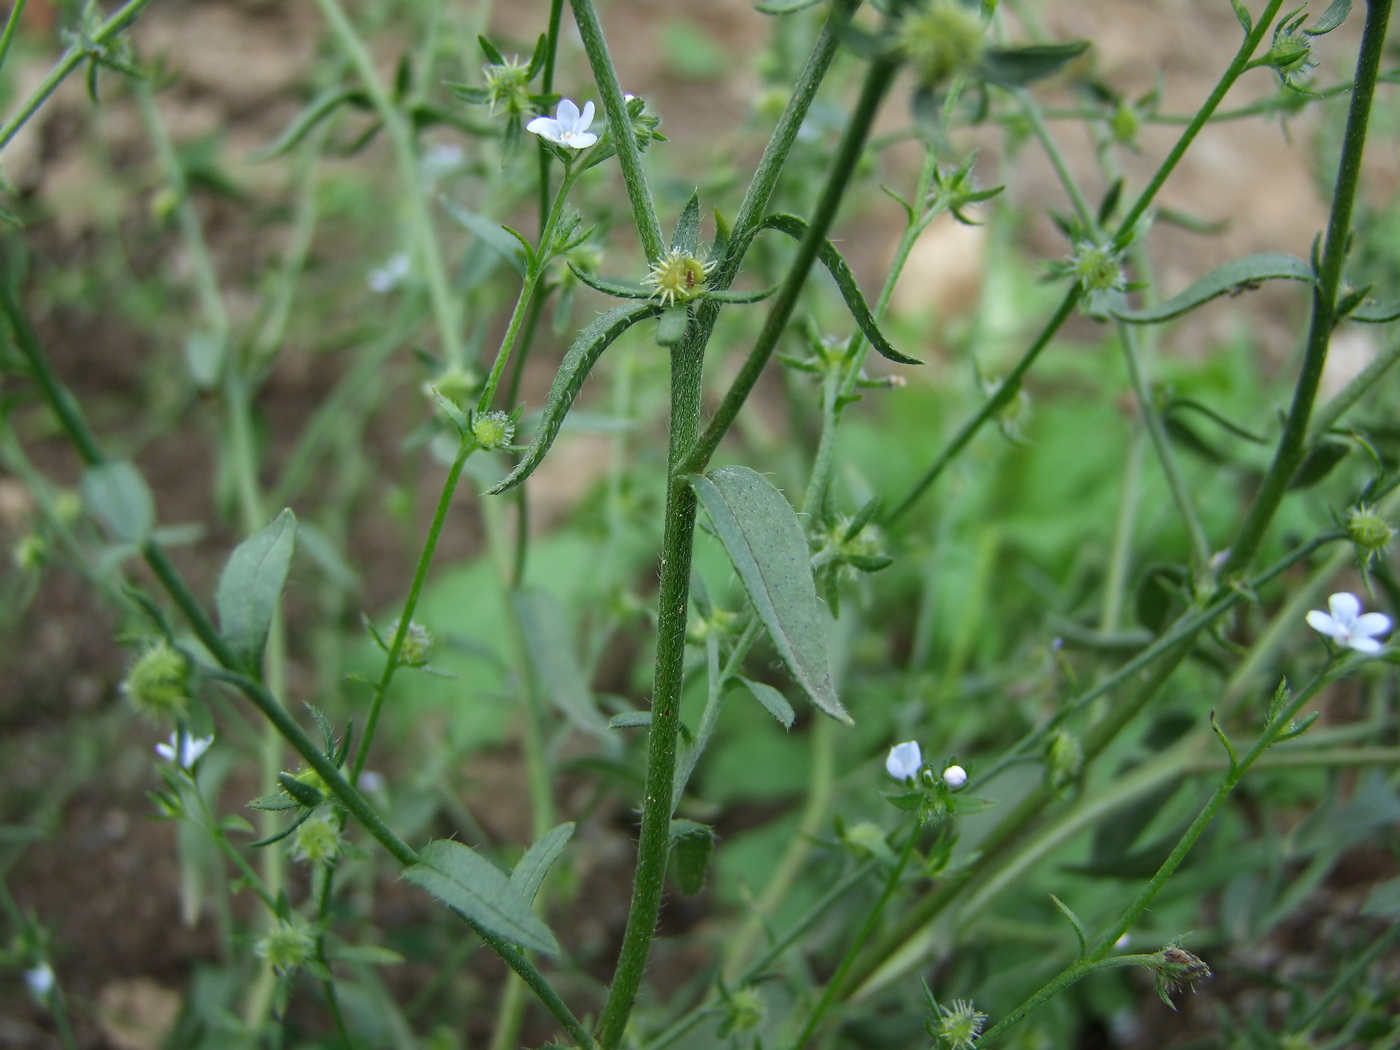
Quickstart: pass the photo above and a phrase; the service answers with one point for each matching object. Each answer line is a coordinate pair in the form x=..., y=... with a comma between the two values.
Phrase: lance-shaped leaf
x=251, y=586
x=1234, y=277
x=1011, y=67
x=845, y=280
x=765, y=542
x=551, y=651
x=470, y=884
x=687, y=236
x=612, y=285
x=1372, y=312
x=529, y=874
x=321, y=107
x=573, y=370
x=774, y=702
x=784, y=7
x=120, y=498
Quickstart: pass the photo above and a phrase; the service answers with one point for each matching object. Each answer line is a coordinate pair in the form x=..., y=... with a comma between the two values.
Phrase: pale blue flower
x=187, y=748
x=40, y=980
x=1347, y=626
x=904, y=760
x=568, y=127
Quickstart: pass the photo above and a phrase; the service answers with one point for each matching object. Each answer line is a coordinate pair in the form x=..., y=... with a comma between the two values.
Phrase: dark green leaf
x=573, y=370
x=612, y=286
x=870, y=562
x=304, y=793
x=1334, y=16
x=120, y=498
x=1215, y=417
x=474, y=95
x=1318, y=463
x=784, y=7
x=551, y=651
x=529, y=874
x=274, y=803
x=1242, y=13
x=687, y=235
x=863, y=517
x=768, y=549
x=1011, y=67
x=1234, y=277
x=1376, y=313
x=774, y=702
x=537, y=59
x=729, y=295
x=470, y=884
x=493, y=55
x=691, y=846
x=630, y=720
x=845, y=280
x=251, y=586
x=321, y=107
x=670, y=330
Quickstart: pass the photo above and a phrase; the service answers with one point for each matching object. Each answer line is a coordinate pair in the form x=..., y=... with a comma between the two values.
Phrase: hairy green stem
x=1292, y=444
x=629, y=157
x=11, y=24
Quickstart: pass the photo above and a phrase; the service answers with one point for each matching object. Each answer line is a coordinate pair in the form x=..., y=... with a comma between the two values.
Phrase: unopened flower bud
x=1063, y=759
x=158, y=684
x=955, y=777
x=1370, y=533
x=39, y=980
x=287, y=946
x=508, y=86
x=747, y=1012
x=493, y=430
x=941, y=41
x=318, y=839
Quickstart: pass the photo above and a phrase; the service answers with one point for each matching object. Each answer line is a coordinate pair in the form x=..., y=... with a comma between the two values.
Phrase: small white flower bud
x=955, y=777
x=39, y=980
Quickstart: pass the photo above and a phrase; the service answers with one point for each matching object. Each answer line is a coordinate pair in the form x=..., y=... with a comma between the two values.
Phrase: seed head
x=1370, y=533
x=158, y=684
x=678, y=277
x=287, y=947
x=493, y=430
x=318, y=840
x=941, y=41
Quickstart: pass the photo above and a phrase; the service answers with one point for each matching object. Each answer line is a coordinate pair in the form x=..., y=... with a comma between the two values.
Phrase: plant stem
x=11, y=24
x=653, y=845
x=1093, y=958
x=420, y=576
x=629, y=157
x=1291, y=446
x=406, y=156
x=70, y=61
x=877, y=82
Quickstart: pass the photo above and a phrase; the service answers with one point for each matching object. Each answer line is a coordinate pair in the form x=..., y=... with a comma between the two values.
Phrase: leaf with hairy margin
x=1233, y=277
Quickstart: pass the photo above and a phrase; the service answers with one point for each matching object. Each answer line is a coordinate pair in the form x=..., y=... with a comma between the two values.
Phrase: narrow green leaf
x=766, y=544
x=1384, y=899
x=612, y=286
x=321, y=107
x=1376, y=313
x=630, y=720
x=729, y=295
x=1012, y=67
x=774, y=702
x=120, y=498
x=551, y=651
x=491, y=52
x=670, y=330
x=784, y=7
x=1318, y=463
x=470, y=884
x=251, y=586
x=1242, y=13
x=529, y=874
x=691, y=846
x=796, y=228
x=1330, y=19
x=1073, y=921
x=687, y=236
x=573, y=370
x=492, y=234
x=1215, y=417
x=1234, y=277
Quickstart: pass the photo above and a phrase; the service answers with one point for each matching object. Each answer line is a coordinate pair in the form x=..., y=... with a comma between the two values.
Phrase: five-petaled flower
x=904, y=760
x=187, y=748
x=568, y=127
x=1348, y=626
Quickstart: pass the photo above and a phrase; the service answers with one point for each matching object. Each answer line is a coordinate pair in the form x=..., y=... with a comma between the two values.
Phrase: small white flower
x=389, y=276
x=188, y=748
x=567, y=127
x=39, y=980
x=955, y=777
x=1347, y=626
x=904, y=760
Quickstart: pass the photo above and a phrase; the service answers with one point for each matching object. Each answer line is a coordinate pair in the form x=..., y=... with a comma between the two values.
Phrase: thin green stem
x=1093, y=958
x=440, y=294
x=654, y=842
x=1292, y=446
x=629, y=157
x=72, y=58
x=11, y=24
x=999, y=398
x=420, y=575
x=833, y=986
x=1068, y=182
x=1347, y=977
x=1121, y=546
x=877, y=82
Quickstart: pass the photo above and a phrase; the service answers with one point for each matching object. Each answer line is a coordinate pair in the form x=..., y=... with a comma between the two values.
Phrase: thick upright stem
x=654, y=844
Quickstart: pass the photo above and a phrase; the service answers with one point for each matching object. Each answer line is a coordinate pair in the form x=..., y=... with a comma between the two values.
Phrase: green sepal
x=670, y=329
